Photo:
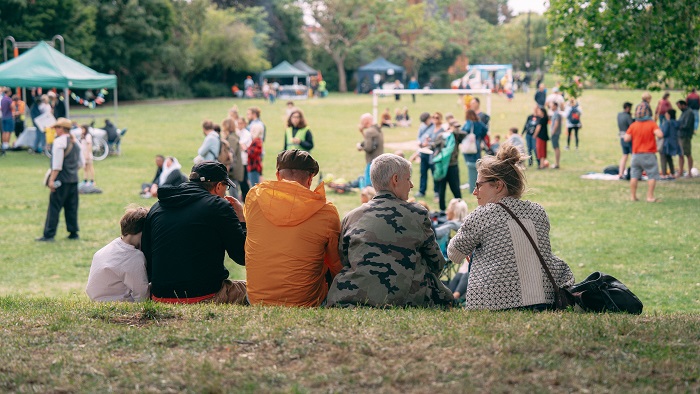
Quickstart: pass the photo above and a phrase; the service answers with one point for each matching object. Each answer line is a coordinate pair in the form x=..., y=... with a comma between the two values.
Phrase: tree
x=226, y=43
x=639, y=43
x=342, y=24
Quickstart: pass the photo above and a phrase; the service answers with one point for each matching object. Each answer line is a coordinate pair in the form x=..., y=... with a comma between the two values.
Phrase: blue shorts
x=626, y=146
x=8, y=125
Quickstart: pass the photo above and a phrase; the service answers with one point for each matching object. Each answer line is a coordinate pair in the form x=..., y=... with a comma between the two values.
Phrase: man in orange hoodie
x=292, y=243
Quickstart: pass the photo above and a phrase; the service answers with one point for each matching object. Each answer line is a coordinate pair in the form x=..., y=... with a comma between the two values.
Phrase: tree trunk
x=342, y=77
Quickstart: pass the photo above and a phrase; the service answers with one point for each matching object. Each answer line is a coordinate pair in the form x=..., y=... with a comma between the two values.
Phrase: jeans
x=39, y=141
x=254, y=178
x=425, y=165
x=695, y=112
x=531, y=146
x=368, y=180
x=471, y=171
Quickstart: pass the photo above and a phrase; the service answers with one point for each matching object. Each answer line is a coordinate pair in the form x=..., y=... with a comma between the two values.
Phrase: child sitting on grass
x=118, y=271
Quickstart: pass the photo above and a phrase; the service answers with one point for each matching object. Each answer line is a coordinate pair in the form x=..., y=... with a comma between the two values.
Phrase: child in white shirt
x=118, y=271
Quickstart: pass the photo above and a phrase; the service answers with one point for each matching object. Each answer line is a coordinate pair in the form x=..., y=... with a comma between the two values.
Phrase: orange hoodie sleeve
x=332, y=258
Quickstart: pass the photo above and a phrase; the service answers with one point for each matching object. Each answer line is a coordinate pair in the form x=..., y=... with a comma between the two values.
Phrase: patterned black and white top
x=505, y=271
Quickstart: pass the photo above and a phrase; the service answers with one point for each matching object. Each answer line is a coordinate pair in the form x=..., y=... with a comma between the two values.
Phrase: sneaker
x=419, y=195
x=464, y=186
x=44, y=239
x=73, y=236
x=567, y=148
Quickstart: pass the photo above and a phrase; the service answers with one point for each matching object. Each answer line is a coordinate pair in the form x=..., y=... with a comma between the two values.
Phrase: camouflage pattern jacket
x=390, y=257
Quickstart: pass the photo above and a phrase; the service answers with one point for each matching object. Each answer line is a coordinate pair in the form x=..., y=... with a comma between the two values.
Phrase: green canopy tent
x=285, y=70
x=44, y=66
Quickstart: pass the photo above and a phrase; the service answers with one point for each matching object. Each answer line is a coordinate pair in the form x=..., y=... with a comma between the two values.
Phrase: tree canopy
x=639, y=43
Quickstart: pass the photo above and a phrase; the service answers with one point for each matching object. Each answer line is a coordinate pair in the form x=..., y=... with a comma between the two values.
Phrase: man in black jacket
x=186, y=234
x=686, y=131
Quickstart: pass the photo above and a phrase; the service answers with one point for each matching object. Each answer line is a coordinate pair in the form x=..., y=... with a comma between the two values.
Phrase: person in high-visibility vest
x=298, y=135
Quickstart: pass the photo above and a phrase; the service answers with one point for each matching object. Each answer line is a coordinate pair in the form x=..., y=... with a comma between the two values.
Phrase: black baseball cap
x=210, y=171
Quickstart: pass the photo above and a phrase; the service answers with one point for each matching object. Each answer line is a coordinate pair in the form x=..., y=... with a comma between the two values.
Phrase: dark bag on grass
x=603, y=293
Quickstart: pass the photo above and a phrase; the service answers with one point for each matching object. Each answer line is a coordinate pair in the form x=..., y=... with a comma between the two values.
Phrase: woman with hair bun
x=505, y=272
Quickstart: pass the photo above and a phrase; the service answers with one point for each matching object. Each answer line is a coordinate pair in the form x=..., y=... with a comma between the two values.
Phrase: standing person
x=8, y=119
x=474, y=127
x=556, y=132
x=397, y=85
x=298, y=267
x=671, y=145
x=624, y=121
x=475, y=105
x=573, y=121
x=209, y=150
x=253, y=115
x=372, y=143
x=186, y=235
x=642, y=133
x=542, y=137
x=686, y=133
x=530, y=137
x=86, y=147
x=693, y=101
x=661, y=108
x=541, y=94
x=118, y=271
x=255, y=152
x=505, y=272
x=298, y=135
x=388, y=248
x=245, y=140
x=236, y=170
x=447, y=152
x=413, y=85
x=66, y=159
x=426, y=132
x=18, y=112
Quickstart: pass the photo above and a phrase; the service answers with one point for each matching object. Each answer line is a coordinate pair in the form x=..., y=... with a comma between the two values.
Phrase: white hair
x=384, y=167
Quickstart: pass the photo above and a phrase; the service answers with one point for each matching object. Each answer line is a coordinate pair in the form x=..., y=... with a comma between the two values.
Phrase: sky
x=519, y=6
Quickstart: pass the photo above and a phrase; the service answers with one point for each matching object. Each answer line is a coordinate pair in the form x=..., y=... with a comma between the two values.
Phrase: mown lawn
x=54, y=339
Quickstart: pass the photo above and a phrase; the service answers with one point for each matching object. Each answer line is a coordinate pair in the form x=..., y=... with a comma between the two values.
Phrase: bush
x=209, y=89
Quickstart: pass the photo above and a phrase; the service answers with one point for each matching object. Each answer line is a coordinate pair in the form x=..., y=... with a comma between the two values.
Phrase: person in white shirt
x=118, y=271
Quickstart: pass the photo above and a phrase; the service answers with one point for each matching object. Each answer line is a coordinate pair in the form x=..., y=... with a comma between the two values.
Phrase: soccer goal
x=377, y=92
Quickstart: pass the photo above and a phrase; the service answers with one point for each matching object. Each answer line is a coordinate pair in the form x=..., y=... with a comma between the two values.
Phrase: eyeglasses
x=480, y=184
x=228, y=187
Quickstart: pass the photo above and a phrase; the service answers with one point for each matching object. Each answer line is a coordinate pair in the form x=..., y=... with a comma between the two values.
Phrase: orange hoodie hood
x=287, y=203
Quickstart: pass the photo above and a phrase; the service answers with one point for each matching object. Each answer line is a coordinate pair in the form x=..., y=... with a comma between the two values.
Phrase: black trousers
x=65, y=197
x=452, y=179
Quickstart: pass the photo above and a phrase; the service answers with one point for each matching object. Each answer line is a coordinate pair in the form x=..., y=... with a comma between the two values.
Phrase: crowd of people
x=665, y=133
x=389, y=251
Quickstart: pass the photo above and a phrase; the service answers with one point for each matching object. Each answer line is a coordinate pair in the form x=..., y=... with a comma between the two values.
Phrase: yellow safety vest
x=301, y=134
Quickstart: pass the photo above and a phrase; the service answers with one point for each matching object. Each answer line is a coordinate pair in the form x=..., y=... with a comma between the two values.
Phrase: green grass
x=54, y=339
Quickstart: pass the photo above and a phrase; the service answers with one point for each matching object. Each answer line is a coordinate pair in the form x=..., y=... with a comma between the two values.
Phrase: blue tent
x=381, y=66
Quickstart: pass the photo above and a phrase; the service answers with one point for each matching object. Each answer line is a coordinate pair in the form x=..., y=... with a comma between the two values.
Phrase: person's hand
x=359, y=146
x=456, y=295
x=296, y=141
x=52, y=186
x=237, y=208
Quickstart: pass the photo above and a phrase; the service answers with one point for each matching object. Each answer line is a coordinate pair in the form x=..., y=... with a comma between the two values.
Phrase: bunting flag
x=100, y=99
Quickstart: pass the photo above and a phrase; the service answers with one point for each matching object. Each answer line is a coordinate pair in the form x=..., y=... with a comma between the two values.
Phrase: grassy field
x=54, y=339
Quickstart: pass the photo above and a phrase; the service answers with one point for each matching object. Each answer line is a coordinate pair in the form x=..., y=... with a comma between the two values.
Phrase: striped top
x=505, y=271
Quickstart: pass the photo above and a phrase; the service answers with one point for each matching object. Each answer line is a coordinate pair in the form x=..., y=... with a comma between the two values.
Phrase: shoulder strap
x=534, y=246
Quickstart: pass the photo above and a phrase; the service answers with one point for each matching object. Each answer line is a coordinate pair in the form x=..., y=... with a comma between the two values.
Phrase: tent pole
x=66, y=102
x=116, y=98
x=375, y=104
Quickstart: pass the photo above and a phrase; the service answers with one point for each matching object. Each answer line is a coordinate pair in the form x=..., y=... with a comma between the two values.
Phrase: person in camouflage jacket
x=388, y=248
